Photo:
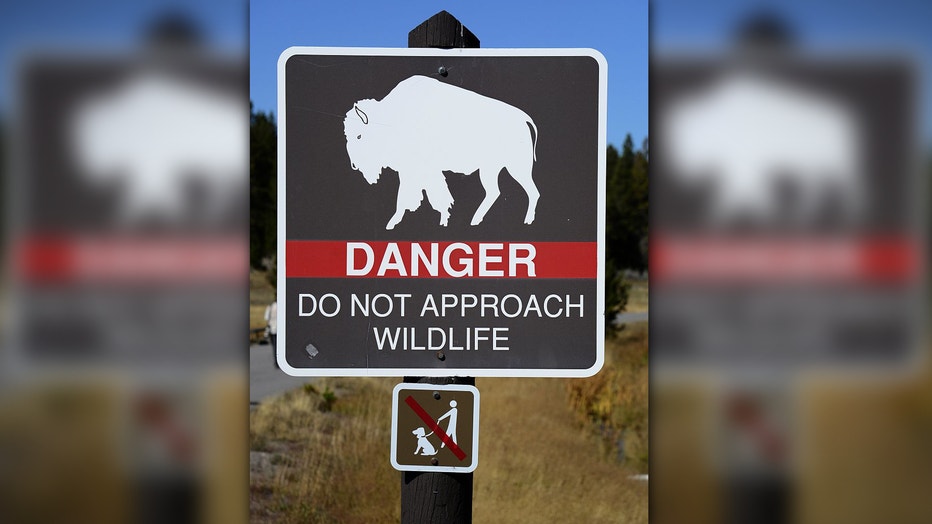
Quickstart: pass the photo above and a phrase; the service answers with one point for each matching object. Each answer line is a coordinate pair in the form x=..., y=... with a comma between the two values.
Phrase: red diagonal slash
x=460, y=454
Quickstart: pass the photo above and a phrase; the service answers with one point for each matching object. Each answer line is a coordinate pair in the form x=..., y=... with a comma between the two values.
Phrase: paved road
x=630, y=318
x=264, y=380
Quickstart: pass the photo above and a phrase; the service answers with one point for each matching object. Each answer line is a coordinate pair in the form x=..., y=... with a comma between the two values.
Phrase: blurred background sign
x=787, y=260
x=130, y=187
x=122, y=372
x=785, y=232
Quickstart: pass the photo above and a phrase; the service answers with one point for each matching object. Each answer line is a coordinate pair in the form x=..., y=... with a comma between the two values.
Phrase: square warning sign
x=435, y=428
x=441, y=225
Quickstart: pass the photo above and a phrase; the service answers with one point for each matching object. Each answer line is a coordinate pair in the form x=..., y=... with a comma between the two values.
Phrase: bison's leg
x=489, y=178
x=392, y=222
x=409, y=199
x=438, y=194
x=522, y=174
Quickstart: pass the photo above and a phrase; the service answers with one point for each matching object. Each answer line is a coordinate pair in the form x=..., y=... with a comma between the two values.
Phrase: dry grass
x=681, y=467
x=614, y=403
x=308, y=464
x=637, y=297
x=261, y=294
x=57, y=447
x=860, y=450
x=865, y=451
x=539, y=458
x=537, y=464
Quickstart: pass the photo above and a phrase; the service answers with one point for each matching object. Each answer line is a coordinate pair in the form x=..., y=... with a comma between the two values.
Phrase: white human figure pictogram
x=451, y=426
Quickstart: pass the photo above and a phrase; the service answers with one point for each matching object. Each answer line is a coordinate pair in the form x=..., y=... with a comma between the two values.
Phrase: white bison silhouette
x=154, y=133
x=746, y=131
x=424, y=127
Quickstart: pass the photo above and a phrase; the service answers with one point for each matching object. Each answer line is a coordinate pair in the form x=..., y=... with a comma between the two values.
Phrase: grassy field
x=551, y=450
x=614, y=403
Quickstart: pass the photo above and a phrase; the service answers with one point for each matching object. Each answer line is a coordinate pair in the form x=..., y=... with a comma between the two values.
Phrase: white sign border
x=600, y=218
x=475, y=428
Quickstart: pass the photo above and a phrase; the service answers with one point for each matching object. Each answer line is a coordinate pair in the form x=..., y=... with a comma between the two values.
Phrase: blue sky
x=852, y=27
x=114, y=23
x=849, y=23
x=106, y=25
x=618, y=29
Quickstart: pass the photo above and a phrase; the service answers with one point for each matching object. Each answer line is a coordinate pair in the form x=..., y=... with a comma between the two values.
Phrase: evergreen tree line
x=625, y=213
x=263, y=173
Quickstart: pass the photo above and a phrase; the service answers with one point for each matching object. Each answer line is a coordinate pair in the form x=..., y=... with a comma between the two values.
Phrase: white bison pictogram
x=424, y=127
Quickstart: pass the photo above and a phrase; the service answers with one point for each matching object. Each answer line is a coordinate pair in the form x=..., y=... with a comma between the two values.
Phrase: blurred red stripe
x=725, y=260
x=73, y=259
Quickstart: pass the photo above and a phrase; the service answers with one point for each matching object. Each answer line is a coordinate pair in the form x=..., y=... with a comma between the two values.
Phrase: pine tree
x=263, y=161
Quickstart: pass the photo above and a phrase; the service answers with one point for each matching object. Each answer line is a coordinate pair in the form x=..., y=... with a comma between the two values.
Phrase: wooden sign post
x=438, y=497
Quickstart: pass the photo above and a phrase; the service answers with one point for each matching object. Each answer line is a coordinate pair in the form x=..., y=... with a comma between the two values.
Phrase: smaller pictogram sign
x=435, y=428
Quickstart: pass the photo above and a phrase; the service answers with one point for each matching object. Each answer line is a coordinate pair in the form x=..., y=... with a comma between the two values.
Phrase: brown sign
x=467, y=245
x=435, y=428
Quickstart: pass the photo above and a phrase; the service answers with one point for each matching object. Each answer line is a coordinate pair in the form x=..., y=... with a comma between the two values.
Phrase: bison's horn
x=362, y=115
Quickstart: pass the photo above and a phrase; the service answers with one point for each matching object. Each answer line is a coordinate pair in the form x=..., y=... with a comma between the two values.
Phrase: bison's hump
x=423, y=91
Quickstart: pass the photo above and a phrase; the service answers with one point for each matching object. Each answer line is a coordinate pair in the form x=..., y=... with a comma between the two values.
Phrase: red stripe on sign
x=406, y=259
x=460, y=454
x=782, y=260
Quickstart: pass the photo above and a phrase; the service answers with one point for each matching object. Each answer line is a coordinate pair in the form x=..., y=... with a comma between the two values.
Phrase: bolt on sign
x=435, y=428
x=441, y=212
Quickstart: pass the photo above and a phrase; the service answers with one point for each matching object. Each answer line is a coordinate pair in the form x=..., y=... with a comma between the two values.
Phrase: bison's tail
x=533, y=128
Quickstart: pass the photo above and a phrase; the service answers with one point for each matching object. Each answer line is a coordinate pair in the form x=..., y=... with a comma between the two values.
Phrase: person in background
x=271, y=319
